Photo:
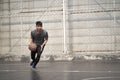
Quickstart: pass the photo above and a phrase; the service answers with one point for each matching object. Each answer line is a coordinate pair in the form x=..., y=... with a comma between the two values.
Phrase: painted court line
x=64, y=71
x=100, y=78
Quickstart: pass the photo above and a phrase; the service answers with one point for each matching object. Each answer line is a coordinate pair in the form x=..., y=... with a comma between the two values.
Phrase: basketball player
x=39, y=36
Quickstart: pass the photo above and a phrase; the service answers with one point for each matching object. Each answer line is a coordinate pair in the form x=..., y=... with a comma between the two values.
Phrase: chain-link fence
x=89, y=27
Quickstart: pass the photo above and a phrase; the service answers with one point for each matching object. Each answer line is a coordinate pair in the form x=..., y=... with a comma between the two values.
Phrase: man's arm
x=31, y=40
x=45, y=40
x=44, y=43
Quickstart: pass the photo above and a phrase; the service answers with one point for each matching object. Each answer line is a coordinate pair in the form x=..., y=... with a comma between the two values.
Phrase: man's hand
x=30, y=43
x=42, y=47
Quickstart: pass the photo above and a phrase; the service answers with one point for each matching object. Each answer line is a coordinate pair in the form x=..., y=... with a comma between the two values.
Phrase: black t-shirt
x=38, y=38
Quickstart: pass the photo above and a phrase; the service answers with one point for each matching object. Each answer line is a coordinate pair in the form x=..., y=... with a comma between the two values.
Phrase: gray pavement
x=83, y=70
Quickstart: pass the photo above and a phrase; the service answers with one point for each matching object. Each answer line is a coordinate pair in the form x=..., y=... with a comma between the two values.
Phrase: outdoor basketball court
x=84, y=70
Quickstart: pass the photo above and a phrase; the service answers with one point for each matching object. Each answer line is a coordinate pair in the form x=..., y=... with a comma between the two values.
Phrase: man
x=39, y=36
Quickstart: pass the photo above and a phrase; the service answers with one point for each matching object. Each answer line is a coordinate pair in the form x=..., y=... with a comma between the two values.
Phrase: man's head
x=39, y=25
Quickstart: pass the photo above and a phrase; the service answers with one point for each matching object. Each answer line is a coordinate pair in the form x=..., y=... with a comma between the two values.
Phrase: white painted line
x=13, y=64
x=99, y=78
x=94, y=71
x=7, y=70
x=69, y=71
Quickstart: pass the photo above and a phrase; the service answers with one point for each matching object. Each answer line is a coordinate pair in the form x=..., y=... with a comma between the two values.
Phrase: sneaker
x=33, y=66
x=31, y=63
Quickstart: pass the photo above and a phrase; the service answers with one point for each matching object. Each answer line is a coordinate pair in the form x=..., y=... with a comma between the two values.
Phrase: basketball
x=32, y=47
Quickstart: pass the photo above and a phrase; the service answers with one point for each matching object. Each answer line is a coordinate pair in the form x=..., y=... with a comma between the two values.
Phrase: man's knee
x=32, y=57
x=38, y=57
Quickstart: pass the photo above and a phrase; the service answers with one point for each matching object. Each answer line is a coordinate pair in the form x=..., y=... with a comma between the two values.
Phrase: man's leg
x=39, y=52
x=33, y=53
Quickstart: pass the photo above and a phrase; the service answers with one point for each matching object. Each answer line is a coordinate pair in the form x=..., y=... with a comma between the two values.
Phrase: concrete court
x=83, y=70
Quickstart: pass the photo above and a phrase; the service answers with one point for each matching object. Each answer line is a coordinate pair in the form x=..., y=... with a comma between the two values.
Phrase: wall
x=92, y=26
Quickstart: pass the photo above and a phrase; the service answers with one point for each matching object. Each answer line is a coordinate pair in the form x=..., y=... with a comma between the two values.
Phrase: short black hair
x=38, y=23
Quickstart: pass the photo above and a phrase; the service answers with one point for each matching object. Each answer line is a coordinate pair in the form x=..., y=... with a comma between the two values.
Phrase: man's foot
x=31, y=63
x=33, y=66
